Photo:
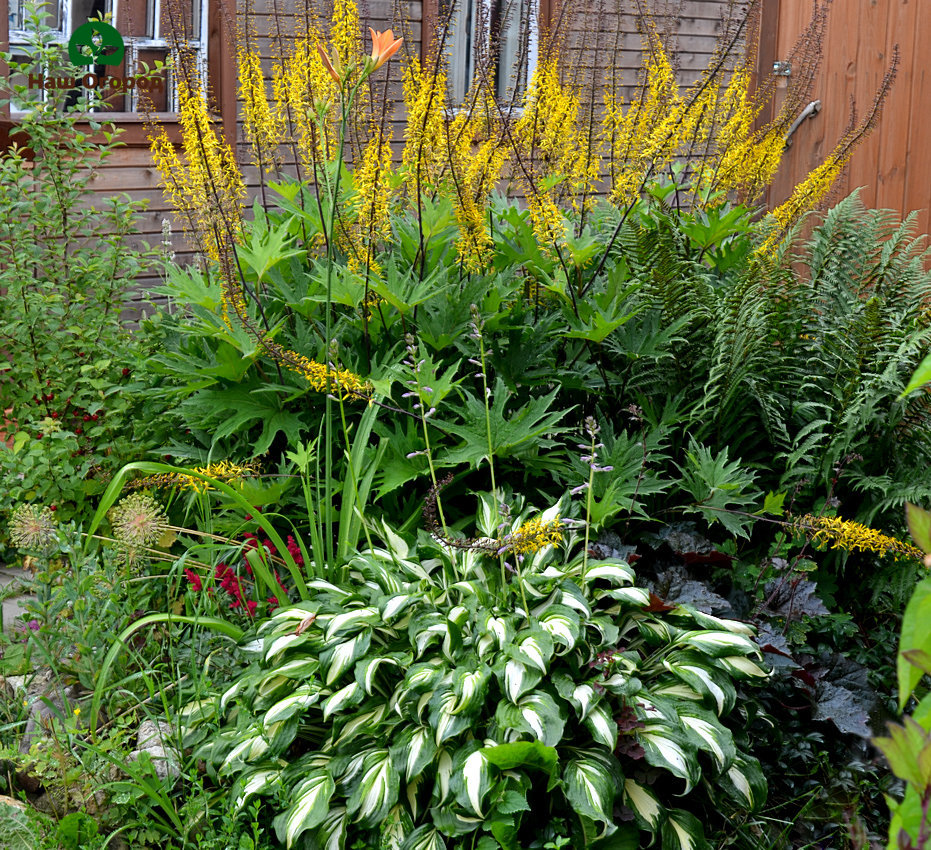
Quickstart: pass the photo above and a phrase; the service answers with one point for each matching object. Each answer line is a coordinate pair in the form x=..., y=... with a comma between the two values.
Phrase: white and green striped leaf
x=644, y=804
x=344, y=698
x=535, y=649
x=471, y=778
x=517, y=678
x=537, y=714
x=708, y=682
x=364, y=722
x=719, y=643
x=275, y=646
x=683, y=831
x=350, y=622
x=708, y=621
x=331, y=834
x=250, y=749
x=666, y=747
x=745, y=782
x=394, y=605
x=590, y=789
x=614, y=571
x=303, y=697
x=414, y=751
x=445, y=722
x=367, y=668
x=470, y=687
x=602, y=725
x=562, y=624
x=338, y=659
x=252, y=783
x=708, y=734
x=310, y=804
x=636, y=596
x=376, y=789
x=741, y=667
x=425, y=837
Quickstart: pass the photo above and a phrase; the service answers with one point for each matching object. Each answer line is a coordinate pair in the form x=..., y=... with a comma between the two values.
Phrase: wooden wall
x=893, y=166
x=604, y=35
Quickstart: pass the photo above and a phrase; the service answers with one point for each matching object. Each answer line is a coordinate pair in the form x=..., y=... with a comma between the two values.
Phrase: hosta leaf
x=445, y=723
x=298, y=668
x=394, y=605
x=250, y=749
x=572, y=596
x=621, y=685
x=350, y=622
x=344, y=698
x=537, y=714
x=376, y=789
x=338, y=659
x=589, y=787
x=452, y=823
x=741, y=667
x=423, y=676
x=562, y=624
x=471, y=777
x=498, y=627
x=683, y=831
x=281, y=733
x=413, y=751
x=708, y=621
x=366, y=721
x=644, y=804
x=516, y=678
x=275, y=646
x=303, y=697
x=254, y=782
x=444, y=771
x=694, y=671
x=666, y=747
x=331, y=834
x=708, y=734
x=582, y=697
x=470, y=687
x=535, y=649
x=616, y=572
x=425, y=837
x=636, y=596
x=745, y=781
x=309, y=805
x=719, y=643
x=367, y=668
x=602, y=725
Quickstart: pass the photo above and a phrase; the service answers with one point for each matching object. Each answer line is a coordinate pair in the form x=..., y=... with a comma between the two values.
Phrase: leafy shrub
x=67, y=268
x=446, y=690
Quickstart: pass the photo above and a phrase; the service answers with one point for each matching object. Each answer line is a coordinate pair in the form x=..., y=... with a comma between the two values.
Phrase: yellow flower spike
x=837, y=533
x=532, y=536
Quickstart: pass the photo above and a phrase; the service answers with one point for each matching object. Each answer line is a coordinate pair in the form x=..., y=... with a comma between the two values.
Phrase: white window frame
x=464, y=22
x=19, y=44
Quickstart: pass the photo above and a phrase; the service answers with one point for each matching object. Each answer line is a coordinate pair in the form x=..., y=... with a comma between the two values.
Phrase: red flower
x=194, y=580
x=251, y=605
x=272, y=603
x=125, y=371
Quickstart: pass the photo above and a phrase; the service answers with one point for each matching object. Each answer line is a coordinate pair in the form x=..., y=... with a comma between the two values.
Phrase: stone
x=151, y=738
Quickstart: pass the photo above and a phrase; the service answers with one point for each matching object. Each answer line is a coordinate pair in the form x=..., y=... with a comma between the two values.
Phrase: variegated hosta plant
x=422, y=706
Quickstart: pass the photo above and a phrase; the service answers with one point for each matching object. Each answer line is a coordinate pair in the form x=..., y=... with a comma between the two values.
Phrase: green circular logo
x=95, y=43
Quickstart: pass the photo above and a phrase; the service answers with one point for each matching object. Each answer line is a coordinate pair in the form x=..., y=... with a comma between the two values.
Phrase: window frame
x=431, y=18
x=221, y=74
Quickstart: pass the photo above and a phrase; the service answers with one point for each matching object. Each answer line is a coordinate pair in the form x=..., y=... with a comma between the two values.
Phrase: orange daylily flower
x=384, y=46
x=329, y=65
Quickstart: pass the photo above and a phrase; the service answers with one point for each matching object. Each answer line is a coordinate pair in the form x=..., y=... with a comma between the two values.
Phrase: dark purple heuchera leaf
x=793, y=597
x=675, y=585
x=847, y=710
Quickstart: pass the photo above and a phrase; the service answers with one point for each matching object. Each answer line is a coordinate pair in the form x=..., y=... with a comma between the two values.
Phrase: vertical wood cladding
x=892, y=165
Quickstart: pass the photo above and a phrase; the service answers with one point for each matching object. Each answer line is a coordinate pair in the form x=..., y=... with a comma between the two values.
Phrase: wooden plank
x=917, y=191
x=894, y=126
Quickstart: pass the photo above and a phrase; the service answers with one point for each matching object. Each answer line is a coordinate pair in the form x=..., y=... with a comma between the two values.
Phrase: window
x=147, y=28
x=500, y=34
